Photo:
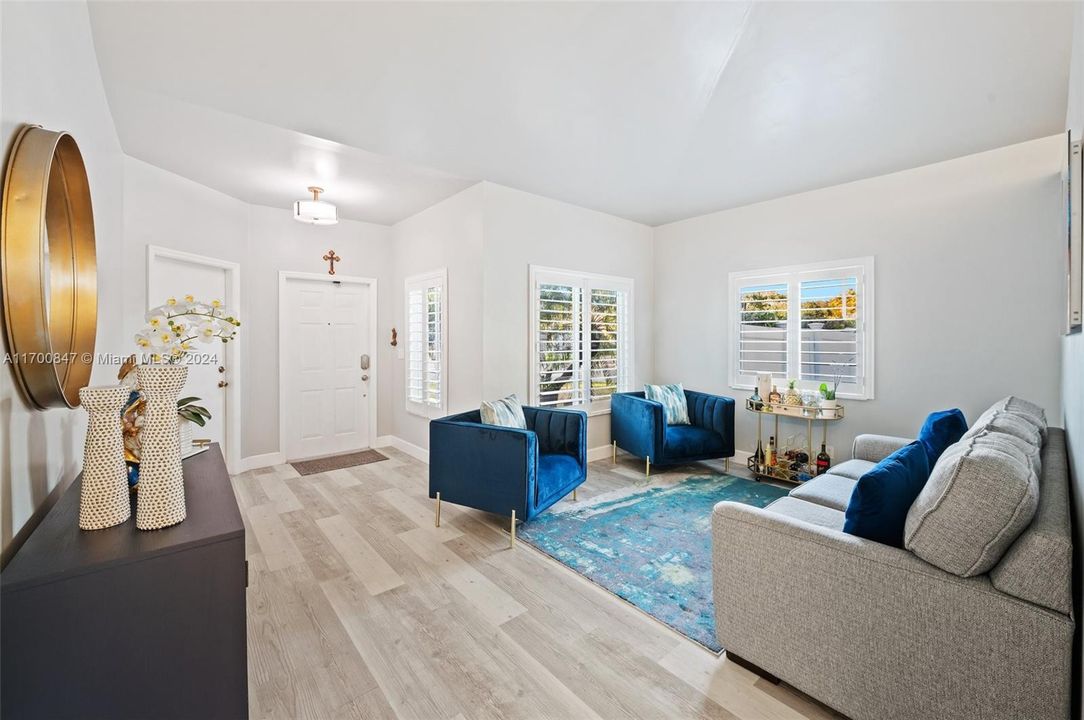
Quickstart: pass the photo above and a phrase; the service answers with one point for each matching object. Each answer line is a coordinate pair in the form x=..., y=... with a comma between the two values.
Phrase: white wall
x=969, y=304
x=278, y=242
x=1072, y=361
x=521, y=230
x=49, y=76
x=165, y=209
x=446, y=235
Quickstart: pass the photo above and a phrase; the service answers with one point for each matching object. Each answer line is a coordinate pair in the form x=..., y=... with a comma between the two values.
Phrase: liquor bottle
x=758, y=458
x=769, y=454
x=823, y=461
x=774, y=397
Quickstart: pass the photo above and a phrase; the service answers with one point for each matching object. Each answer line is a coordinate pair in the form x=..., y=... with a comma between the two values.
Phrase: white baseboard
x=414, y=451
x=255, y=462
x=599, y=453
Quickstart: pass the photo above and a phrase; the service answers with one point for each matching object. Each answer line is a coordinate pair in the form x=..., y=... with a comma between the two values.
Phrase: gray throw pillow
x=981, y=495
x=506, y=412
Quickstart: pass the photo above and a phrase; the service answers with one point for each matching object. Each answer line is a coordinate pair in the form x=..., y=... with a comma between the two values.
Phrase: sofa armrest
x=875, y=448
x=637, y=424
x=482, y=466
x=559, y=431
x=712, y=412
x=875, y=632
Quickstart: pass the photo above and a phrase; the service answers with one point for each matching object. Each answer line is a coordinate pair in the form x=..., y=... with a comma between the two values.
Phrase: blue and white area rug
x=649, y=546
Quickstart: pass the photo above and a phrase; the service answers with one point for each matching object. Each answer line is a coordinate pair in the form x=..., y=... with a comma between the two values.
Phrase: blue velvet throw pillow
x=882, y=497
x=941, y=429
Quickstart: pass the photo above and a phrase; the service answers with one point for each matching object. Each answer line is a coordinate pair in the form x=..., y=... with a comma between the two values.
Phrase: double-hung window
x=581, y=338
x=427, y=343
x=813, y=323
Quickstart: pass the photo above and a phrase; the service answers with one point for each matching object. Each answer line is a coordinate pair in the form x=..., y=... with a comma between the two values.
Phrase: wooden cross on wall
x=331, y=259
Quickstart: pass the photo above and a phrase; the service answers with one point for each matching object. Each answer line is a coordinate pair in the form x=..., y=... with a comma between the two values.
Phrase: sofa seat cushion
x=881, y=499
x=808, y=512
x=691, y=441
x=852, y=469
x=830, y=490
x=556, y=473
x=980, y=496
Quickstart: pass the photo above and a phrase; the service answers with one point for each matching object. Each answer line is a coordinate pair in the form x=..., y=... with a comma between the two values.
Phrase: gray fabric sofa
x=877, y=633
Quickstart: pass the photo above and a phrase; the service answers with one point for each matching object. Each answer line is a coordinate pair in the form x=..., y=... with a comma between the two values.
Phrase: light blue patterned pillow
x=673, y=402
x=506, y=412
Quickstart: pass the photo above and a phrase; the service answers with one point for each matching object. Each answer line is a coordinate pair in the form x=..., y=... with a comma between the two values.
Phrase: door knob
x=222, y=383
x=364, y=377
x=221, y=369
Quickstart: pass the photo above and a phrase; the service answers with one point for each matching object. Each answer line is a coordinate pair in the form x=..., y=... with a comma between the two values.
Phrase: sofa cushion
x=675, y=406
x=1027, y=410
x=556, y=472
x=941, y=429
x=853, y=469
x=830, y=490
x=808, y=512
x=1038, y=567
x=1003, y=421
x=506, y=412
x=980, y=496
x=882, y=497
x=691, y=441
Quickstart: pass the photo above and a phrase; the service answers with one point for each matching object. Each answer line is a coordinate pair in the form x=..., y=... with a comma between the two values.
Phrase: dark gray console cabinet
x=121, y=623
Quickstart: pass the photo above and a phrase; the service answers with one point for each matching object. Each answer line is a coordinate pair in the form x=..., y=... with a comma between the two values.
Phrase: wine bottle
x=758, y=458
x=823, y=461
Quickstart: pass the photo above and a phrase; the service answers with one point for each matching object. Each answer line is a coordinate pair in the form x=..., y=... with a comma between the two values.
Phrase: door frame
x=232, y=349
x=284, y=277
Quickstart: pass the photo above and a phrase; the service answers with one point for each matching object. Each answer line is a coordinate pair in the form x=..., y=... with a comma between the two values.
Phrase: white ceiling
x=650, y=111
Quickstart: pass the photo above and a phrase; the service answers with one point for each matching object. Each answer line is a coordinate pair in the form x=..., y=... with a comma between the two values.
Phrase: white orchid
x=173, y=326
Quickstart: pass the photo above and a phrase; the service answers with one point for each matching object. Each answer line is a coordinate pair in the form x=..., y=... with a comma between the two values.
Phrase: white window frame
x=793, y=276
x=587, y=282
x=423, y=282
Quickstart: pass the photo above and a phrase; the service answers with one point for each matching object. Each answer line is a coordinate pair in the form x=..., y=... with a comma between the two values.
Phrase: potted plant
x=187, y=414
x=828, y=403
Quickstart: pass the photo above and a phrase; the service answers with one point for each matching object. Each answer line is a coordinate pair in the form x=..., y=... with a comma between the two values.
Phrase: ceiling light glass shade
x=315, y=211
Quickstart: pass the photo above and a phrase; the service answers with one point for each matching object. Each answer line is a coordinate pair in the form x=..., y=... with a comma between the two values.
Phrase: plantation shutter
x=813, y=323
x=830, y=346
x=426, y=343
x=581, y=338
x=763, y=333
x=559, y=345
x=609, y=347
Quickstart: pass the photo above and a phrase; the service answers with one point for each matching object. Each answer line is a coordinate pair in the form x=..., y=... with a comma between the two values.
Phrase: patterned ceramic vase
x=160, y=500
x=103, y=498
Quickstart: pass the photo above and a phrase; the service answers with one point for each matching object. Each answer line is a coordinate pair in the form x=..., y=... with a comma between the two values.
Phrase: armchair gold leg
x=726, y=465
x=513, y=528
x=438, y=509
x=573, y=494
x=647, y=467
x=615, y=452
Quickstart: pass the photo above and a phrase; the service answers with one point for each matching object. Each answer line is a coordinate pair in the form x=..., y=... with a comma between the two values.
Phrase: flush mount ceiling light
x=315, y=211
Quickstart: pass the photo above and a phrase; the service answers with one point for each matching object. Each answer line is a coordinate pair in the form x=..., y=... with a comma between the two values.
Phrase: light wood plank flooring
x=359, y=607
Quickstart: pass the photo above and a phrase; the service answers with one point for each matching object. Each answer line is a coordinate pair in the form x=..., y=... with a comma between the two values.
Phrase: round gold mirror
x=49, y=272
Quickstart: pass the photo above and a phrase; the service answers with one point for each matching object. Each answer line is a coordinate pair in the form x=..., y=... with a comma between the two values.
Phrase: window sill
x=839, y=395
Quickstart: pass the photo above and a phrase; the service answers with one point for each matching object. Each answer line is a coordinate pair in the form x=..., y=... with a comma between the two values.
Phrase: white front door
x=325, y=388
x=175, y=277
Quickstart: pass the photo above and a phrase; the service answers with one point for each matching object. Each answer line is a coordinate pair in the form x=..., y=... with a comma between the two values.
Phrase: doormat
x=337, y=462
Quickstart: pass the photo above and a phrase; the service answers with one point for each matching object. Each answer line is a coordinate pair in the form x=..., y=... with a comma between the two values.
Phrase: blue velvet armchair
x=507, y=471
x=638, y=426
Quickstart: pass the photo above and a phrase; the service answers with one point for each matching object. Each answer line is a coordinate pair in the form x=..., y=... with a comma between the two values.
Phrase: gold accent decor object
x=331, y=258
x=48, y=267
